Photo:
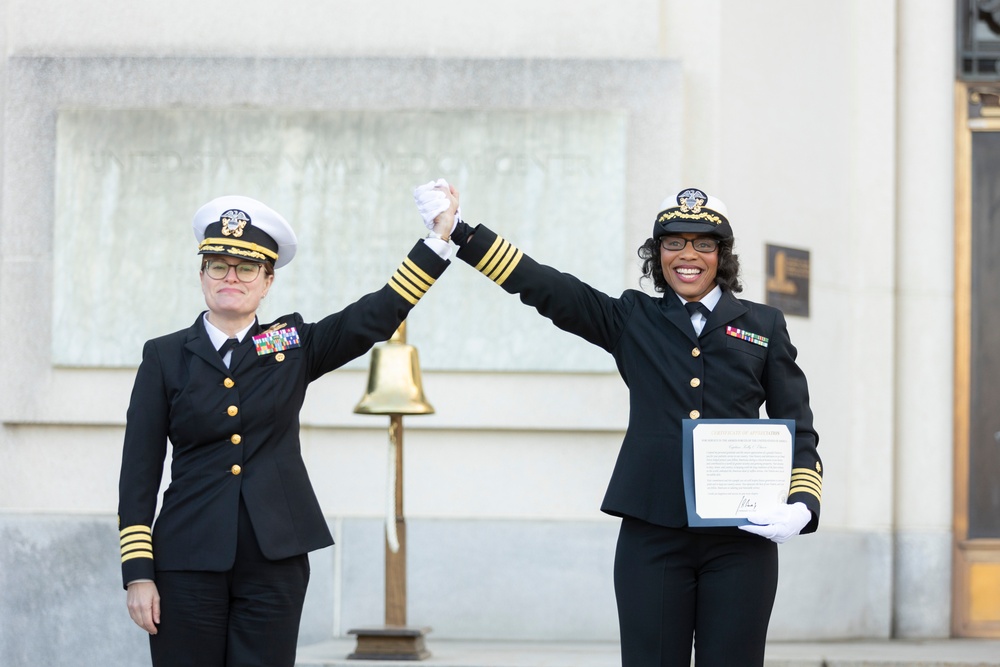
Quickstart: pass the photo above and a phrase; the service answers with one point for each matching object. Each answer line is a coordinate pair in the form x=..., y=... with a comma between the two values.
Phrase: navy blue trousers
x=677, y=587
x=245, y=617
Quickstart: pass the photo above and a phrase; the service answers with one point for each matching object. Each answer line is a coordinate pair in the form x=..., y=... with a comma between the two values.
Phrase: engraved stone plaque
x=128, y=182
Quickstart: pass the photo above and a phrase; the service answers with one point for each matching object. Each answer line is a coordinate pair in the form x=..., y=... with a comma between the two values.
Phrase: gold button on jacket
x=236, y=470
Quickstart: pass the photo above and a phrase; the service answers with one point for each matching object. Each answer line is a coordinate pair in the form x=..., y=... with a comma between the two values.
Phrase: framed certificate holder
x=735, y=467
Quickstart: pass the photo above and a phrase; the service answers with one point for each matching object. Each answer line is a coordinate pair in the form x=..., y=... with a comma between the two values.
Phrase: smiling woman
x=233, y=291
x=689, y=263
x=697, y=352
x=660, y=252
x=221, y=576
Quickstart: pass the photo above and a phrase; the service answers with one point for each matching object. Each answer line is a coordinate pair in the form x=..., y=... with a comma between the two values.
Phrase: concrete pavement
x=868, y=653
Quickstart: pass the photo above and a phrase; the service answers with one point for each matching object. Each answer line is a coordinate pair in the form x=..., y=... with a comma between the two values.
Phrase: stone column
x=924, y=304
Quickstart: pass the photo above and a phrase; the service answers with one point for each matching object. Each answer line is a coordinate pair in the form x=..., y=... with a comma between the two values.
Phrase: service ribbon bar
x=756, y=339
x=270, y=342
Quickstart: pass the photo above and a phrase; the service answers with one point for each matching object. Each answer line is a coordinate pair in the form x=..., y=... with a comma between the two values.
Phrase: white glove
x=432, y=200
x=779, y=523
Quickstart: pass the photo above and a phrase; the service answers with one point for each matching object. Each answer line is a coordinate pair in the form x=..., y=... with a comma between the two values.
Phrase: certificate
x=735, y=467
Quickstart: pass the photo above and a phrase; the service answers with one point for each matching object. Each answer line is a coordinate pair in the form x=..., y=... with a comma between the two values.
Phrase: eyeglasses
x=246, y=272
x=702, y=244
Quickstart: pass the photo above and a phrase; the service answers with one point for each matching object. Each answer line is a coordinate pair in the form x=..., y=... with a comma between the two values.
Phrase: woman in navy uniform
x=697, y=352
x=219, y=579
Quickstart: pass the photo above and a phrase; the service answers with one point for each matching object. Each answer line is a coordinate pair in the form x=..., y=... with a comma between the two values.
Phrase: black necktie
x=697, y=307
x=227, y=346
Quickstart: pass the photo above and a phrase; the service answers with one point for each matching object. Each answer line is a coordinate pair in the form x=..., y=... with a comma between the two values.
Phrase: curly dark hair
x=727, y=277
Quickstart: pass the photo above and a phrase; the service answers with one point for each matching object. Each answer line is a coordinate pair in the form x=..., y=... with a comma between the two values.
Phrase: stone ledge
x=862, y=653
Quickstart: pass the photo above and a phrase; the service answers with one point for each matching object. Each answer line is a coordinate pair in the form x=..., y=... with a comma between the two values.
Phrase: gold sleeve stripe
x=405, y=289
x=410, y=281
x=132, y=548
x=499, y=261
x=802, y=489
x=133, y=539
x=806, y=480
x=414, y=278
x=136, y=542
x=510, y=268
x=401, y=291
x=137, y=548
x=418, y=271
x=807, y=474
x=499, y=241
x=133, y=545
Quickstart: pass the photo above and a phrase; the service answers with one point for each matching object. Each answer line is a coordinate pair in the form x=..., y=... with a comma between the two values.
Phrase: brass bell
x=394, y=386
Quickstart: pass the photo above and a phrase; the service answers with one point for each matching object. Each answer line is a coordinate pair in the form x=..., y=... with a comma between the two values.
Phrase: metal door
x=976, y=598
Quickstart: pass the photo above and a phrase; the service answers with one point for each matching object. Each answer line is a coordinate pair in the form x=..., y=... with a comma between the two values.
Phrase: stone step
x=865, y=653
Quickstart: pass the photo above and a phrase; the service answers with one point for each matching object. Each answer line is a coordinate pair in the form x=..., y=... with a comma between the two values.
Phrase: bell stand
x=394, y=389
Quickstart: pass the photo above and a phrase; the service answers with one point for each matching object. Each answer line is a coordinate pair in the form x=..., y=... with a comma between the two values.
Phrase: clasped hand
x=437, y=203
x=779, y=523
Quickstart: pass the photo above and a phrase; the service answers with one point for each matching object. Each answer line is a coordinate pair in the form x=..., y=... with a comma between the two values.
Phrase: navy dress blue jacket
x=672, y=374
x=235, y=432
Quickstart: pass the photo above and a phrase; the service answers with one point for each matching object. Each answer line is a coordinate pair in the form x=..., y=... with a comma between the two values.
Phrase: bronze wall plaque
x=788, y=280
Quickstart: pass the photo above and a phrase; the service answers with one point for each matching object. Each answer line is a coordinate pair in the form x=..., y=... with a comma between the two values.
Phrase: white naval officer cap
x=691, y=210
x=242, y=227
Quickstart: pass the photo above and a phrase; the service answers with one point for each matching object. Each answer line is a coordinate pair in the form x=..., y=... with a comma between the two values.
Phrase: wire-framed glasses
x=246, y=272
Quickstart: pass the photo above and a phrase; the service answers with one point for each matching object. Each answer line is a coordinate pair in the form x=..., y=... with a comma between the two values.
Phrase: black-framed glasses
x=702, y=244
x=246, y=272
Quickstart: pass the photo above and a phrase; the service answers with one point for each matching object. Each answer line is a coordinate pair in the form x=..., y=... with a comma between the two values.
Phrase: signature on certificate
x=747, y=504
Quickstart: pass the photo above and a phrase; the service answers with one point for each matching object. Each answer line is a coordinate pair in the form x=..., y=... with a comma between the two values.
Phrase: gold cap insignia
x=691, y=200
x=233, y=221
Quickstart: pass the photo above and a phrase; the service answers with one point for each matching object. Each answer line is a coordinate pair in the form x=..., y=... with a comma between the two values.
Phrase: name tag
x=270, y=342
x=756, y=339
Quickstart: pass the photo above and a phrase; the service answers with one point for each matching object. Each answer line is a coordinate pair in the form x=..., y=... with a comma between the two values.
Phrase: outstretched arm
x=567, y=301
